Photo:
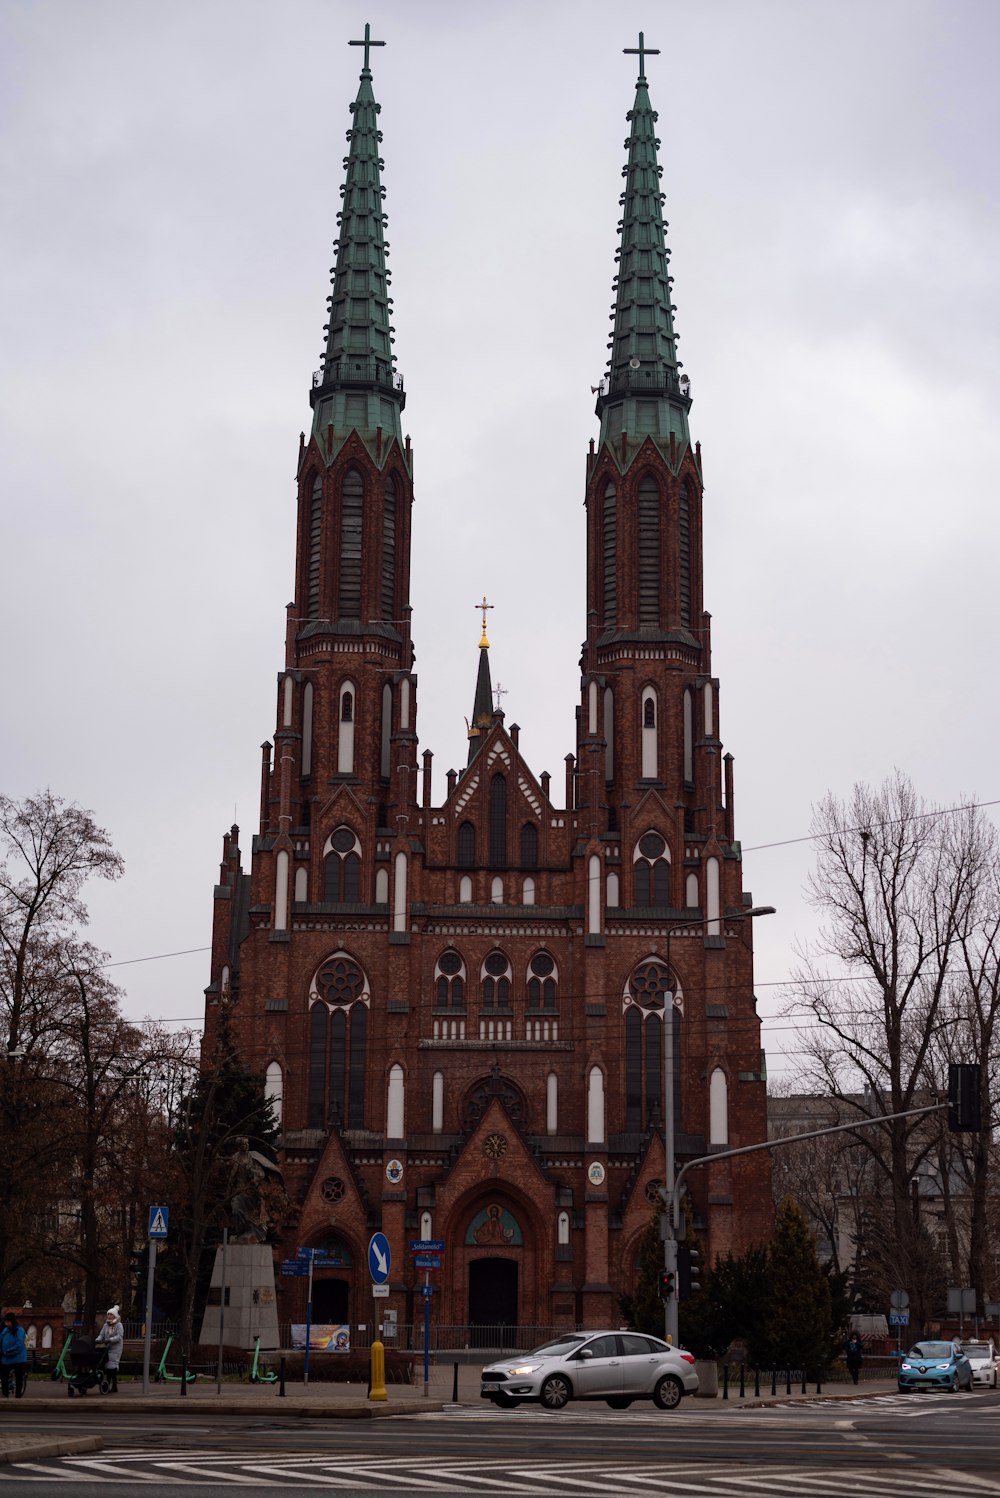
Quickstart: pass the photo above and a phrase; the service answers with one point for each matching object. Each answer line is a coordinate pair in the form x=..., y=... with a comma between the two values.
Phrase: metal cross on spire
x=483, y=606
x=369, y=43
x=498, y=692
x=642, y=50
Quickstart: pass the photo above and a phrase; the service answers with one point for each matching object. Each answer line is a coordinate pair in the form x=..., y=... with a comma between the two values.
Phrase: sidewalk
x=323, y=1401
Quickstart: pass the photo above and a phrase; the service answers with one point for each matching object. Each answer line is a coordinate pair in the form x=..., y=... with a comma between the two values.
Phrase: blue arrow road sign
x=158, y=1219
x=426, y=1245
x=379, y=1258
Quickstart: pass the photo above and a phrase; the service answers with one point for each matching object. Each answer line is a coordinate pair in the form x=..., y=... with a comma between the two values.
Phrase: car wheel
x=668, y=1393
x=953, y=1386
x=904, y=1389
x=555, y=1392
x=618, y=1403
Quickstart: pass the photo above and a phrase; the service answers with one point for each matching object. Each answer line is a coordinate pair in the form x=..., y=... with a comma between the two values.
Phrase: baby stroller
x=89, y=1360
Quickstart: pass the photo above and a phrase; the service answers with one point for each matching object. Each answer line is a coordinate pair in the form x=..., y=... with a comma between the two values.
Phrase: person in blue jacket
x=13, y=1357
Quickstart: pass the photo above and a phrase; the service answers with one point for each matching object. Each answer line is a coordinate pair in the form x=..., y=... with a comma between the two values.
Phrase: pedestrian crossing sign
x=158, y=1218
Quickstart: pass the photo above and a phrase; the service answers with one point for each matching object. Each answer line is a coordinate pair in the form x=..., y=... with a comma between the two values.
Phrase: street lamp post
x=669, y=1232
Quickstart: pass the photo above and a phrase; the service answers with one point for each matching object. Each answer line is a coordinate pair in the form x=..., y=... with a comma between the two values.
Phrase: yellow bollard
x=377, y=1389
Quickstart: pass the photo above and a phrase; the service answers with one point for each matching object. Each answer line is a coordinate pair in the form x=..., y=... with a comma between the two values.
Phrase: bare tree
x=49, y=848
x=896, y=882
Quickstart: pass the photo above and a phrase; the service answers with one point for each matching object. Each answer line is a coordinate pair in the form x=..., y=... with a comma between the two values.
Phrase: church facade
x=459, y=993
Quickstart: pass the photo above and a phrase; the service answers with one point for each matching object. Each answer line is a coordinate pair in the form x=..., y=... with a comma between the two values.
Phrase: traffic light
x=964, y=1112
x=688, y=1262
x=668, y=1284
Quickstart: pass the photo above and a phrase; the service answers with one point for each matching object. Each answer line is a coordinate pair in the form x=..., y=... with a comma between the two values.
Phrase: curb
x=26, y=1449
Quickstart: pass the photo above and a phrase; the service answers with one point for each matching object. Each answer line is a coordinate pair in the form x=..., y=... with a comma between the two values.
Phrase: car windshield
x=931, y=1350
x=977, y=1350
x=557, y=1346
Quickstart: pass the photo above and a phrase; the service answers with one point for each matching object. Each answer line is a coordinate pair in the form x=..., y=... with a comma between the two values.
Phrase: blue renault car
x=935, y=1365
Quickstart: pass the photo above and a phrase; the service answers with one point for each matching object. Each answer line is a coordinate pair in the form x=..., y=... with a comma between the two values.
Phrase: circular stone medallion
x=394, y=1172
x=595, y=1173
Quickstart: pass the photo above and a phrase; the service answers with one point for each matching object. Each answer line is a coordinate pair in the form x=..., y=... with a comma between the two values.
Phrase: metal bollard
x=774, y=1380
x=788, y=1380
x=281, y=1379
x=725, y=1381
x=756, y=1382
x=803, y=1380
x=819, y=1383
x=454, y=1386
x=184, y=1376
x=743, y=1372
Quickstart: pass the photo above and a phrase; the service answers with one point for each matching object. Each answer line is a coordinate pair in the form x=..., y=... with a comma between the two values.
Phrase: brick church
x=458, y=992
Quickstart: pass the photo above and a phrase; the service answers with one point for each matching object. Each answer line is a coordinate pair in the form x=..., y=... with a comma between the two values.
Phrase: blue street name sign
x=426, y=1245
x=158, y=1219
x=427, y=1261
x=379, y=1258
x=294, y=1266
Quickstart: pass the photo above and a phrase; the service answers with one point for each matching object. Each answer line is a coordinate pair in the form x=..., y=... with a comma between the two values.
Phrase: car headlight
x=525, y=1368
x=942, y=1365
x=906, y=1366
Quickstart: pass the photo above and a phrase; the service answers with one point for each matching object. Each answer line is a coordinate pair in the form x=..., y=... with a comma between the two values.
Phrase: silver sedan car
x=618, y=1367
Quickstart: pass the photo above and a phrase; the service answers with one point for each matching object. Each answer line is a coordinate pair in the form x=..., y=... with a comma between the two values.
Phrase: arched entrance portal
x=492, y=1302
x=330, y=1303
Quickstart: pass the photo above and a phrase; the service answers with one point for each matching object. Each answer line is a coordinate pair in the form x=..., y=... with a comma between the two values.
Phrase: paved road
x=910, y=1446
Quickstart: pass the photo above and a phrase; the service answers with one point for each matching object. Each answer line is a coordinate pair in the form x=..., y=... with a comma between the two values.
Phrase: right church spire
x=644, y=393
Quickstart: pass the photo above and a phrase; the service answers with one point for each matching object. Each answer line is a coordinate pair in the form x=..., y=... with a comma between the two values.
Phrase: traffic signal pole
x=672, y=1198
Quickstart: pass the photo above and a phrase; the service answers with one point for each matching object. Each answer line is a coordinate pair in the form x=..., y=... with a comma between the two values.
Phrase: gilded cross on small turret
x=483, y=606
x=642, y=50
x=369, y=43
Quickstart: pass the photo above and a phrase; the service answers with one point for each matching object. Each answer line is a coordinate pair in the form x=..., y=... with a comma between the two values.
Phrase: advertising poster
x=322, y=1338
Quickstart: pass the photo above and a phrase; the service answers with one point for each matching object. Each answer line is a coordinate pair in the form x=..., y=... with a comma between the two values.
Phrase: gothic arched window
x=529, y=846
x=315, y=547
x=649, y=551
x=342, y=868
x=352, y=497
x=651, y=867
x=498, y=822
x=542, y=976
x=684, y=554
x=466, y=846
x=389, y=549
x=610, y=556
x=496, y=976
x=338, y=1036
x=449, y=981
x=648, y=998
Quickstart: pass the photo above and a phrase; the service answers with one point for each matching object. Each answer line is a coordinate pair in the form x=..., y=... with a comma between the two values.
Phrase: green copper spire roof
x=644, y=393
x=358, y=386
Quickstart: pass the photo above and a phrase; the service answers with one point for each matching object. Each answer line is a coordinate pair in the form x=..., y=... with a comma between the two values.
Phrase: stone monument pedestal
x=251, y=1310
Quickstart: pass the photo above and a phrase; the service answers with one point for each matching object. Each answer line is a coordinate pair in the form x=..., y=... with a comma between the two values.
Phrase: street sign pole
x=147, y=1338
x=427, y=1332
x=309, y=1317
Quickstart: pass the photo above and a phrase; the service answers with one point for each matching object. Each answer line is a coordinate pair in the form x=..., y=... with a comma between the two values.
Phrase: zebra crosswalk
x=400, y=1475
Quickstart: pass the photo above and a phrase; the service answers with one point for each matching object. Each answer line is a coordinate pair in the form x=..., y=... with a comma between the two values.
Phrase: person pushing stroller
x=112, y=1335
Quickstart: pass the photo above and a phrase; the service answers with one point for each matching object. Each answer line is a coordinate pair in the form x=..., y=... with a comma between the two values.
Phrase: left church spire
x=358, y=387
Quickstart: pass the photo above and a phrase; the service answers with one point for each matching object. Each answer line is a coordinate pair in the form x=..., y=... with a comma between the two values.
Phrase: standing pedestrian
x=13, y=1357
x=112, y=1334
x=855, y=1353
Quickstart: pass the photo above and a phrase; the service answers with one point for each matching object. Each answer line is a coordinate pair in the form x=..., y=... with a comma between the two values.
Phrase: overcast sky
x=171, y=176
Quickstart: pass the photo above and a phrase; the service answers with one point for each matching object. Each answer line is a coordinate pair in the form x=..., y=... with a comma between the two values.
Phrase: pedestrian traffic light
x=688, y=1260
x=667, y=1284
x=964, y=1110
